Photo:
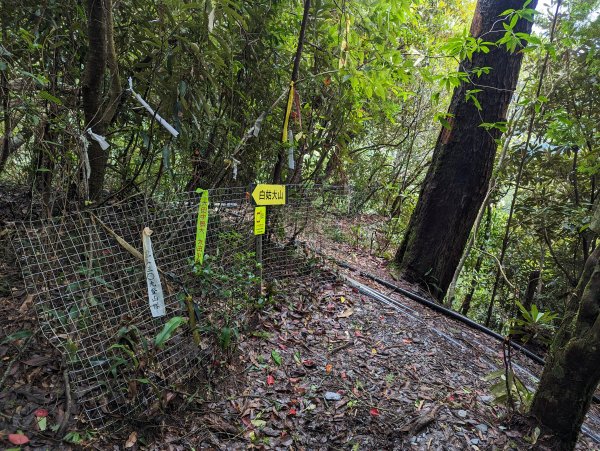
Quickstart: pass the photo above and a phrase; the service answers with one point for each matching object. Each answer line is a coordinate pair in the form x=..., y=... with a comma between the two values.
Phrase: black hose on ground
x=446, y=312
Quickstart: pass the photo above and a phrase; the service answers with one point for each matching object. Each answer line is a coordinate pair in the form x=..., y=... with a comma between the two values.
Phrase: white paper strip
x=99, y=139
x=155, y=292
x=87, y=169
x=235, y=167
x=156, y=116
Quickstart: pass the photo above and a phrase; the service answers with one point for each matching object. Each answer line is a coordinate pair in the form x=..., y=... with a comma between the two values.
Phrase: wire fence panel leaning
x=93, y=283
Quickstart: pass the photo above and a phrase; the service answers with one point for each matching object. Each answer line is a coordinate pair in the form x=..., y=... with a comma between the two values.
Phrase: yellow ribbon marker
x=201, y=226
x=288, y=111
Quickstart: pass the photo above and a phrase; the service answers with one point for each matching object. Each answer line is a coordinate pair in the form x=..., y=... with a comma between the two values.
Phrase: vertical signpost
x=264, y=195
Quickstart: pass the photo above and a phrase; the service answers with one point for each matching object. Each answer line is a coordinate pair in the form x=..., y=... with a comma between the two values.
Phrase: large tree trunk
x=572, y=370
x=458, y=177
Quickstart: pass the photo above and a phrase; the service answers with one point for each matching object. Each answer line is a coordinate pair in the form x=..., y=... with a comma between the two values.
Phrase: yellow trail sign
x=269, y=194
x=260, y=220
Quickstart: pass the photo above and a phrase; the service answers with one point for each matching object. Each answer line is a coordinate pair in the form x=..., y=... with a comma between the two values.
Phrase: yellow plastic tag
x=201, y=226
x=260, y=220
x=288, y=111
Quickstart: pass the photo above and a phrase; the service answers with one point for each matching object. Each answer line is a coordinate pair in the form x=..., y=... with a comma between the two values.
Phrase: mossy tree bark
x=572, y=370
x=458, y=178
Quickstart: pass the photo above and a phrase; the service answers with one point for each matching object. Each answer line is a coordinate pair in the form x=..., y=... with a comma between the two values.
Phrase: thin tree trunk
x=458, y=178
x=524, y=155
x=466, y=305
x=278, y=169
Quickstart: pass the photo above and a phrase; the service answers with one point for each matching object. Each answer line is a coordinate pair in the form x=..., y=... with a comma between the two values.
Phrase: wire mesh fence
x=91, y=298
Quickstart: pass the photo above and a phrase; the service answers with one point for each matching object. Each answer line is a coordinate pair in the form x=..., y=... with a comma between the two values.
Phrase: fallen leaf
x=18, y=439
x=257, y=422
x=276, y=357
x=346, y=313
x=270, y=380
x=374, y=412
x=308, y=363
x=131, y=440
x=342, y=299
x=292, y=411
x=41, y=412
x=373, y=351
x=26, y=304
x=328, y=368
x=42, y=423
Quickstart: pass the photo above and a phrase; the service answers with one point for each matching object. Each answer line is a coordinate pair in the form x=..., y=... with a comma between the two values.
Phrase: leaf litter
x=326, y=368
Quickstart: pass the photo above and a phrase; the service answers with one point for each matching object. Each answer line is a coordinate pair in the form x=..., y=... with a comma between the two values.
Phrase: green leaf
x=49, y=97
x=16, y=336
x=257, y=422
x=276, y=357
x=168, y=330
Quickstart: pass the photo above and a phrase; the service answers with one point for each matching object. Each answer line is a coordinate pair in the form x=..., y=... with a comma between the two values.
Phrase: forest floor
x=326, y=368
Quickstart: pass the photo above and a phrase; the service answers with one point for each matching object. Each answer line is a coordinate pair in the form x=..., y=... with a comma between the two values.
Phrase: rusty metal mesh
x=91, y=298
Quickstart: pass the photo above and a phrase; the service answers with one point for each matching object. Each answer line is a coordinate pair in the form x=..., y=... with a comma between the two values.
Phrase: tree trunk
x=98, y=113
x=572, y=370
x=466, y=305
x=278, y=169
x=461, y=167
x=532, y=283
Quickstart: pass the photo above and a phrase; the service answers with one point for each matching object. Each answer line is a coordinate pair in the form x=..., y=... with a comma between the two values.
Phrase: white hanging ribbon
x=99, y=139
x=154, y=114
x=235, y=167
x=87, y=169
x=155, y=292
x=291, y=161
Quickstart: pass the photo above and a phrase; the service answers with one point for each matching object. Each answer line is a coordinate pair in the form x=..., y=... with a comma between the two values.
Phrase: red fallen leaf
x=41, y=413
x=300, y=390
x=358, y=333
x=246, y=422
x=294, y=380
x=270, y=380
x=374, y=412
x=18, y=439
x=308, y=363
x=292, y=411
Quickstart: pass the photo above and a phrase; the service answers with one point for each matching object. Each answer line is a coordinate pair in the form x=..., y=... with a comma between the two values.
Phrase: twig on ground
x=68, y=407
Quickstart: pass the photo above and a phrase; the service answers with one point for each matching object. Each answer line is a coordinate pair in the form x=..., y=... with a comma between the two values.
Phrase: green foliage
x=533, y=324
x=168, y=330
x=509, y=390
